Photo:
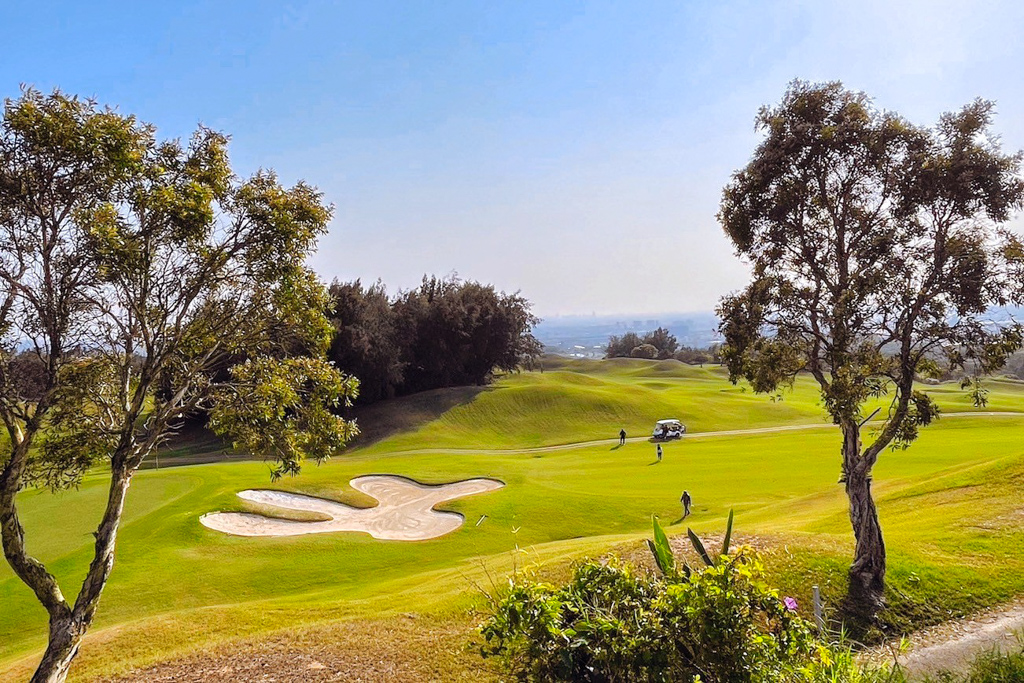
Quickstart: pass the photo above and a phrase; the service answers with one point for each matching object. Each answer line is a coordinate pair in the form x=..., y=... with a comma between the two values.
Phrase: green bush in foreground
x=718, y=623
x=613, y=623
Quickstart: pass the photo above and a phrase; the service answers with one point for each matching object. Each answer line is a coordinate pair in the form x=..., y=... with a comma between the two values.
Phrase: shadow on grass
x=383, y=419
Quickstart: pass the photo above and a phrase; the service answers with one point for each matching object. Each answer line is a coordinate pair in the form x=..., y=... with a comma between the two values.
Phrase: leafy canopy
x=876, y=250
x=128, y=264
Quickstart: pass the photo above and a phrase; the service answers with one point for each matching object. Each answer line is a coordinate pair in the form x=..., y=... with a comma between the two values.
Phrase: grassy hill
x=950, y=509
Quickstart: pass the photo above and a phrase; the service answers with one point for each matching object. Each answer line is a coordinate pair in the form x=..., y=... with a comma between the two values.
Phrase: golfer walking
x=622, y=437
x=659, y=452
x=686, y=501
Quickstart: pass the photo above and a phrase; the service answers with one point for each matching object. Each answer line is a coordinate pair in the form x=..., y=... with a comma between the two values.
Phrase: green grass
x=585, y=400
x=950, y=506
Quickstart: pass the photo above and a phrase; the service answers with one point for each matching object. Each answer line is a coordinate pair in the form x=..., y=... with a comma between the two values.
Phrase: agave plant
x=663, y=552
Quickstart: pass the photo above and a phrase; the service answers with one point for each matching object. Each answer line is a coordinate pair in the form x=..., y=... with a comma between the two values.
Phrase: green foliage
x=644, y=351
x=80, y=432
x=870, y=249
x=367, y=340
x=695, y=356
x=698, y=545
x=162, y=270
x=663, y=343
x=728, y=533
x=134, y=272
x=285, y=410
x=976, y=390
x=447, y=332
x=612, y=623
x=874, y=247
x=662, y=551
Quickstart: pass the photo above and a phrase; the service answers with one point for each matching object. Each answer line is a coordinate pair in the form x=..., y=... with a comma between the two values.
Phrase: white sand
x=404, y=512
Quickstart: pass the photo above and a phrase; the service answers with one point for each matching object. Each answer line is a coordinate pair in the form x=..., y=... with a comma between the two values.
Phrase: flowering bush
x=614, y=623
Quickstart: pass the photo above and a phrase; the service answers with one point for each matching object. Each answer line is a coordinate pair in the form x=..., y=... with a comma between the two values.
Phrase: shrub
x=663, y=341
x=644, y=351
x=614, y=623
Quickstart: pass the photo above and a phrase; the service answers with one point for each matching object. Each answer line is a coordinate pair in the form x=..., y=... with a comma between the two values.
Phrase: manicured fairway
x=951, y=508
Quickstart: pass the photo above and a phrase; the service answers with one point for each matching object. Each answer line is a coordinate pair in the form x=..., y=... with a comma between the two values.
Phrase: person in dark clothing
x=686, y=502
x=622, y=437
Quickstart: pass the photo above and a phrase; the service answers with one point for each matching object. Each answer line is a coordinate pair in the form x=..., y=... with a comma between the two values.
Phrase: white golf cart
x=668, y=429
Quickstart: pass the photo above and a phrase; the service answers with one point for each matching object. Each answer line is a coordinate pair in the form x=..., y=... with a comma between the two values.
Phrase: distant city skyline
x=573, y=151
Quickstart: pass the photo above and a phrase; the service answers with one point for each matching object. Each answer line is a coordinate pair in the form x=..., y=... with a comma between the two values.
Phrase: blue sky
x=574, y=151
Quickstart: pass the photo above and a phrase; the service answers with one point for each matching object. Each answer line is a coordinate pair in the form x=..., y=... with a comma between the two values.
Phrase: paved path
x=688, y=435
x=951, y=645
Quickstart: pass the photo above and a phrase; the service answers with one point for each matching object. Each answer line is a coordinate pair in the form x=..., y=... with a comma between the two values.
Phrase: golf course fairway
x=951, y=510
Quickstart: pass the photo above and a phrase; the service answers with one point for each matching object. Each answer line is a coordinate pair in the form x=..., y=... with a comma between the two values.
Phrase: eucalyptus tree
x=876, y=248
x=129, y=265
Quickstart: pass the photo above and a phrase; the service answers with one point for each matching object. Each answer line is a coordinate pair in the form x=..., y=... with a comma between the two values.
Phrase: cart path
x=222, y=457
x=640, y=439
x=951, y=645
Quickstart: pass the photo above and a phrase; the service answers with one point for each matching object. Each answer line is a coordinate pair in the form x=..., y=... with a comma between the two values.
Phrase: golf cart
x=668, y=429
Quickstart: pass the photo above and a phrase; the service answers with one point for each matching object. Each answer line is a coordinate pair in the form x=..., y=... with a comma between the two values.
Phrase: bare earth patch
x=405, y=648
x=405, y=510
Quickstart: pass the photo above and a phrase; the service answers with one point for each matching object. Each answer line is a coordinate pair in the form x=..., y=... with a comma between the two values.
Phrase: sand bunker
x=404, y=512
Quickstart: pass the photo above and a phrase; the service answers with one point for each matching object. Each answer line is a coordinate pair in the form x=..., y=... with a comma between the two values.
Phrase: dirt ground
x=392, y=650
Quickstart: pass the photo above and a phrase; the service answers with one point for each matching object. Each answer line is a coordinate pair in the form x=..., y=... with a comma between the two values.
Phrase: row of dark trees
x=697, y=356
x=446, y=332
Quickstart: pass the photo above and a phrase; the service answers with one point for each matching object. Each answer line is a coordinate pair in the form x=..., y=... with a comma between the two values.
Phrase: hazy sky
x=574, y=151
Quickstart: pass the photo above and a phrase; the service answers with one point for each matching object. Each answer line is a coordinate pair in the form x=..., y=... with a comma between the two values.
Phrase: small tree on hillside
x=644, y=351
x=875, y=250
x=664, y=341
x=128, y=265
x=459, y=332
x=620, y=347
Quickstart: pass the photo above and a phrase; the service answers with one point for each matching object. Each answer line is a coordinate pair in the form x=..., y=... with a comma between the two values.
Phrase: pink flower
x=790, y=604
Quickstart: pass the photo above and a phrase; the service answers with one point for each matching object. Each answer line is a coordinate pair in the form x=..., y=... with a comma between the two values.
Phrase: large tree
x=128, y=265
x=876, y=249
x=367, y=341
x=459, y=332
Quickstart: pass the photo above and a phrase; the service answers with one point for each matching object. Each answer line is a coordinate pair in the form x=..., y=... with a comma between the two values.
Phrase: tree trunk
x=866, y=591
x=65, y=637
x=67, y=632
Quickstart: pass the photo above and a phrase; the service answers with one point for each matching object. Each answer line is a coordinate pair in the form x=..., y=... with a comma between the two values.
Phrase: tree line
x=446, y=332
x=658, y=344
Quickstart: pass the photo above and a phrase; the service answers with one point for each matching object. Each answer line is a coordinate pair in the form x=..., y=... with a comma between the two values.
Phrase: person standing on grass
x=686, y=502
x=659, y=452
x=622, y=437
